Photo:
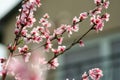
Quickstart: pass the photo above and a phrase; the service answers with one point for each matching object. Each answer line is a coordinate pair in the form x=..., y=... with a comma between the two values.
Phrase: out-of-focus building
x=101, y=49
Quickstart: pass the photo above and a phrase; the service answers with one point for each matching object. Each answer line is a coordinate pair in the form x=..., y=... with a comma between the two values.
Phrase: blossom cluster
x=94, y=74
x=26, y=17
x=41, y=34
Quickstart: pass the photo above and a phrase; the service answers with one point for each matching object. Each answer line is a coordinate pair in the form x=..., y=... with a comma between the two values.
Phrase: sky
x=3, y=53
x=6, y=6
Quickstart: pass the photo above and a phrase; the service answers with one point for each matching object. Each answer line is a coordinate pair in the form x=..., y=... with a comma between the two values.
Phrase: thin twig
x=75, y=42
x=13, y=48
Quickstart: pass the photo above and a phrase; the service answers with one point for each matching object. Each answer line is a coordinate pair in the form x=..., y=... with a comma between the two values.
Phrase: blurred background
x=101, y=49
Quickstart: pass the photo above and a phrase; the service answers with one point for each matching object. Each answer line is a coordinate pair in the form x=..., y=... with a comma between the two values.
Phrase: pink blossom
x=48, y=45
x=85, y=76
x=24, y=32
x=76, y=28
x=93, y=19
x=63, y=26
x=16, y=31
x=106, y=17
x=3, y=72
x=30, y=21
x=38, y=3
x=26, y=57
x=81, y=43
x=54, y=63
x=26, y=18
x=46, y=24
x=99, y=26
x=24, y=49
x=96, y=11
x=18, y=23
x=10, y=47
x=42, y=20
x=28, y=38
x=20, y=70
x=58, y=31
x=60, y=40
x=95, y=73
x=97, y=2
x=37, y=39
x=83, y=16
x=2, y=60
x=41, y=29
x=75, y=20
x=46, y=34
x=55, y=51
x=61, y=48
x=46, y=16
x=106, y=4
x=24, y=52
x=98, y=21
x=34, y=31
x=69, y=30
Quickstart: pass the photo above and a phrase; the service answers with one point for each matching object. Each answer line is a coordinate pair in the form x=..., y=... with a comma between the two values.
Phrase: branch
x=13, y=47
x=73, y=24
x=75, y=42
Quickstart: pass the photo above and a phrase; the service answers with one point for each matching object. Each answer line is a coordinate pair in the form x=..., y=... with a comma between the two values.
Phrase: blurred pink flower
x=95, y=73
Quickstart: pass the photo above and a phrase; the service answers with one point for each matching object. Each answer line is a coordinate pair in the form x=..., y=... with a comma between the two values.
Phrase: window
x=115, y=57
x=78, y=60
x=103, y=53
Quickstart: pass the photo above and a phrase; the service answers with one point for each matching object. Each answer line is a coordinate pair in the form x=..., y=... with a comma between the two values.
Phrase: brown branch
x=75, y=42
x=73, y=24
x=13, y=47
x=55, y=37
